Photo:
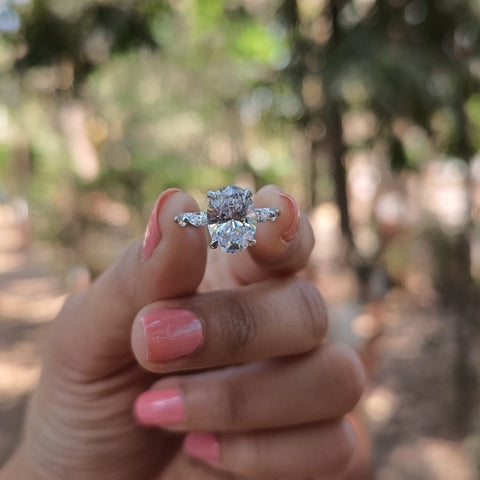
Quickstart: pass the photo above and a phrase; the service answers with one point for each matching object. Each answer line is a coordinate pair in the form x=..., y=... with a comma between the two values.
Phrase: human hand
x=244, y=365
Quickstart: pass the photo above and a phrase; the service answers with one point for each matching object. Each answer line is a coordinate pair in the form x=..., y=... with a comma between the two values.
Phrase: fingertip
x=138, y=340
x=350, y=442
x=284, y=229
x=293, y=222
x=162, y=408
x=202, y=446
x=177, y=264
x=152, y=233
x=283, y=246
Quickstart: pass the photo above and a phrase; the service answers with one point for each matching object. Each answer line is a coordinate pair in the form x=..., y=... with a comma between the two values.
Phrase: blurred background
x=367, y=111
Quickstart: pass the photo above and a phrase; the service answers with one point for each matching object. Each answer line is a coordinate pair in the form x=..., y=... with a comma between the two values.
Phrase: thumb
x=91, y=335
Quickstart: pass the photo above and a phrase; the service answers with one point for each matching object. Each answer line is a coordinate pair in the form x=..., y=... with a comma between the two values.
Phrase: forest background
x=367, y=111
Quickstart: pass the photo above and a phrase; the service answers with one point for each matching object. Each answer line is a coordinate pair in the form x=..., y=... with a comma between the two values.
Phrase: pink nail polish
x=171, y=334
x=159, y=407
x=152, y=234
x=203, y=446
x=289, y=234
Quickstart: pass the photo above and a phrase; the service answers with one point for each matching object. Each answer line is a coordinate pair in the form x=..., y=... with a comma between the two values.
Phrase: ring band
x=230, y=217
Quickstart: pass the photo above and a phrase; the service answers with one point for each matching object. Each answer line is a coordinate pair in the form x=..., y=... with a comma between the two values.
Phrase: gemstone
x=232, y=221
x=264, y=214
x=197, y=219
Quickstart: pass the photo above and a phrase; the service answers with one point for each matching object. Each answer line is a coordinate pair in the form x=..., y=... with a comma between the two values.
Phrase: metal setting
x=230, y=217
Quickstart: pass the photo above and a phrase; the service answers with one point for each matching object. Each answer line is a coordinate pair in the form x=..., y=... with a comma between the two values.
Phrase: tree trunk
x=339, y=172
x=338, y=151
x=463, y=300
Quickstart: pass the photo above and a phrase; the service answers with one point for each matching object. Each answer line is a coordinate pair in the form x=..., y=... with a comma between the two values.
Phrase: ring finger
x=322, y=450
x=324, y=384
x=283, y=246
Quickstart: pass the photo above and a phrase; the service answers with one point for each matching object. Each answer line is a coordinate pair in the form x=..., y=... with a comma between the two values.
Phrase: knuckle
x=354, y=378
x=231, y=401
x=255, y=452
x=69, y=306
x=312, y=310
x=340, y=372
x=239, y=323
x=344, y=439
x=68, y=313
x=59, y=352
x=244, y=453
x=118, y=278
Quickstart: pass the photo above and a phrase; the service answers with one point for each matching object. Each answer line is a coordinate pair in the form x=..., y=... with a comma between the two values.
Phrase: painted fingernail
x=171, y=334
x=292, y=230
x=152, y=234
x=203, y=446
x=160, y=407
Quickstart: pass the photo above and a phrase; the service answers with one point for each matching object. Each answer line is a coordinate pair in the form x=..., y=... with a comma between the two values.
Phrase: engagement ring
x=231, y=218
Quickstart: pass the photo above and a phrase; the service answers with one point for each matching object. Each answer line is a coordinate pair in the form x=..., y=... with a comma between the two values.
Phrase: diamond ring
x=231, y=218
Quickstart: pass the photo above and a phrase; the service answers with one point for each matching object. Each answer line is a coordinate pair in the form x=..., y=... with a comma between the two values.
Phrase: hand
x=244, y=368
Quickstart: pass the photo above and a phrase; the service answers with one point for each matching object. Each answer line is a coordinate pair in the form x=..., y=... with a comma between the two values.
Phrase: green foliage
x=187, y=93
x=208, y=14
x=410, y=58
x=6, y=155
x=473, y=112
x=255, y=42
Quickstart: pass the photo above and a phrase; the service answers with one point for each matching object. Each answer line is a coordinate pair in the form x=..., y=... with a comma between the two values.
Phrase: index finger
x=227, y=327
x=283, y=247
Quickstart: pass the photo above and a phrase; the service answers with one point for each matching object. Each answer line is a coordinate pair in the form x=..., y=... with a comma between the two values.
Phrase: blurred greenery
x=371, y=107
x=131, y=97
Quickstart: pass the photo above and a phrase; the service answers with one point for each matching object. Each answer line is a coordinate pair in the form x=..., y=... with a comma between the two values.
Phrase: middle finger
x=256, y=322
x=321, y=385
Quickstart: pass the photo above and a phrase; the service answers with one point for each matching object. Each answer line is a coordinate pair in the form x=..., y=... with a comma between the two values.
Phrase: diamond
x=232, y=221
x=231, y=218
x=197, y=219
x=264, y=214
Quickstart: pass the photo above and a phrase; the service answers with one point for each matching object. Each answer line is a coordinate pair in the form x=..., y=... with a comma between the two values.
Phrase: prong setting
x=248, y=193
x=231, y=218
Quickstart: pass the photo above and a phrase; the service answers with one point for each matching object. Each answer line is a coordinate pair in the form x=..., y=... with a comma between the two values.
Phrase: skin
x=263, y=381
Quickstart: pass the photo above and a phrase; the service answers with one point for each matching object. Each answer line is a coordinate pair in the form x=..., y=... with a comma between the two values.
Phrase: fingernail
x=159, y=407
x=203, y=446
x=152, y=234
x=171, y=334
x=292, y=230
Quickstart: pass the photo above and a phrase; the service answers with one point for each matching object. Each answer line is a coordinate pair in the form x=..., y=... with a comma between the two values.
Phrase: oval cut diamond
x=232, y=221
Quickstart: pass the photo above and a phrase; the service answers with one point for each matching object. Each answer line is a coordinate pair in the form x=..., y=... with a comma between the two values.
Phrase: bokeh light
x=367, y=111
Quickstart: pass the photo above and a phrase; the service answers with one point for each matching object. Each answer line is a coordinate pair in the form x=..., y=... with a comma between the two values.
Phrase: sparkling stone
x=197, y=219
x=264, y=214
x=232, y=221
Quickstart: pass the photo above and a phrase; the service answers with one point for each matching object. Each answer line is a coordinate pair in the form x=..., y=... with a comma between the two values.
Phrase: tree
x=395, y=59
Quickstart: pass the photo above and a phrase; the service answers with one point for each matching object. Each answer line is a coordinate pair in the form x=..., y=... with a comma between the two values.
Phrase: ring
x=231, y=218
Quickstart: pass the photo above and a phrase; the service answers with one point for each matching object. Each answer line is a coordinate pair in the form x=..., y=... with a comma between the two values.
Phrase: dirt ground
x=410, y=407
